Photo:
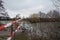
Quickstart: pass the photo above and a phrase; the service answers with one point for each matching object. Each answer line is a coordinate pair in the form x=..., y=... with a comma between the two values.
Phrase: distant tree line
x=50, y=14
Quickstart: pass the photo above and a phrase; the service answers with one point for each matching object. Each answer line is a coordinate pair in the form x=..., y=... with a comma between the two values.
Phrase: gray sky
x=27, y=7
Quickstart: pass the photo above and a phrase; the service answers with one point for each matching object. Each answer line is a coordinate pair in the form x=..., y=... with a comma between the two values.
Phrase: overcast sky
x=27, y=7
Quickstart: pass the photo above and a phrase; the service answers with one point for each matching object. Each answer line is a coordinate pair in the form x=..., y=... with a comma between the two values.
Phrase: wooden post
x=11, y=30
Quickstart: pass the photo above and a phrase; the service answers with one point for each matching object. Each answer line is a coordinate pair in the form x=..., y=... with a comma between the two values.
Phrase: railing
x=11, y=25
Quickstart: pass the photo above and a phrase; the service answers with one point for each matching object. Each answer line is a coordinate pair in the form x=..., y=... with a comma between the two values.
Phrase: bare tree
x=3, y=12
x=56, y=3
x=34, y=15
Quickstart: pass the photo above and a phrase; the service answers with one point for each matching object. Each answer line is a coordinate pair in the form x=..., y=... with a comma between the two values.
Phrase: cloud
x=28, y=1
x=33, y=9
x=12, y=13
x=26, y=7
x=24, y=12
